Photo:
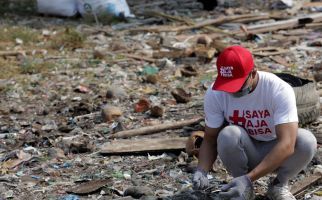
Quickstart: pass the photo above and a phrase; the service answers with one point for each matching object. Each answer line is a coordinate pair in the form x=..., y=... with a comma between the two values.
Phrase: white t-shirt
x=271, y=103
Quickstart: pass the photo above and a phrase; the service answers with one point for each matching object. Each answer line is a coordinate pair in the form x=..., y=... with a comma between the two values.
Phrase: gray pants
x=240, y=153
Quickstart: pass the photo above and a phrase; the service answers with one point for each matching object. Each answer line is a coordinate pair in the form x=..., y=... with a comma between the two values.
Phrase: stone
x=138, y=191
x=110, y=113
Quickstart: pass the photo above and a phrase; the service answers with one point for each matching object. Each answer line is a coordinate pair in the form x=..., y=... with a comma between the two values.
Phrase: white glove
x=200, y=180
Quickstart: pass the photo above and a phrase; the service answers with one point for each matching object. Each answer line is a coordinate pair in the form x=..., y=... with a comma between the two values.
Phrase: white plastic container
x=110, y=7
x=67, y=8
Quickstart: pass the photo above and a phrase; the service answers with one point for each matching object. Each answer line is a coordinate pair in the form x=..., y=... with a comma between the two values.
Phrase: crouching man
x=262, y=136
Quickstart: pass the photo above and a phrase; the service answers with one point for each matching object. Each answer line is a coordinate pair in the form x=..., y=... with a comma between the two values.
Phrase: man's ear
x=254, y=72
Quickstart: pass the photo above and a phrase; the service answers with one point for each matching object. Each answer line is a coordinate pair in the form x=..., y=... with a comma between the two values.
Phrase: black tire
x=307, y=97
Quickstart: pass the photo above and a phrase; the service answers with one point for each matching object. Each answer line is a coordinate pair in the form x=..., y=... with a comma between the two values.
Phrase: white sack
x=65, y=8
x=109, y=7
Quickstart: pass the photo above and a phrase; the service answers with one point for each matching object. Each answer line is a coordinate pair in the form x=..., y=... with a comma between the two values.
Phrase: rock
x=98, y=54
x=204, y=40
x=4, y=110
x=56, y=153
x=181, y=95
x=49, y=127
x=157, y=111
x=110, y=113
x=138, y=191
x=189, y=71
x=18, y=109
x=152, y=78
x=76, y=144
x=115, y=92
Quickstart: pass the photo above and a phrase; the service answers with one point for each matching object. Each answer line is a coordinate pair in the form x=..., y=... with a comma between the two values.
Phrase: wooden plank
x=144, y=145
x=217, y=21
x=170, y=54
x=192, y=25
x=253, y=19
x=139, y=57
x=280, y=60
x=284, y=24
x=305, y=183
x=314, y=25
x=312, y=4
x=274, y=53
x=156, y=128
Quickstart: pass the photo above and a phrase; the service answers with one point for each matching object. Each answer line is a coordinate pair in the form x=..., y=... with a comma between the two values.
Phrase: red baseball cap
x=234, y=65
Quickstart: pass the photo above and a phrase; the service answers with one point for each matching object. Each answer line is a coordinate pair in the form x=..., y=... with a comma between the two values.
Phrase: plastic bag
x=67, y=8
x=117, y=8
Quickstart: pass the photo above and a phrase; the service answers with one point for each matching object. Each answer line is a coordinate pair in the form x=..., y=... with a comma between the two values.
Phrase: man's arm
x=208, y=149
x=286, y=138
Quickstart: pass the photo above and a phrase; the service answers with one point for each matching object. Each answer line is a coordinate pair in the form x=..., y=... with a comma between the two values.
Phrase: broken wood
x=284, y=24
x=314, y=25
x=88, y=187
x=139, y=57
x=23, y=53
x=253, y=19
x=218, y=21
x=156, y=128
x=312, y=4
x=192, y=25
x=170, y=54
x=280, y=60
x=271, y=53
x=12, y=53
x=144, y=145
x=184, y=20
x=305, y=183
x=89, y=116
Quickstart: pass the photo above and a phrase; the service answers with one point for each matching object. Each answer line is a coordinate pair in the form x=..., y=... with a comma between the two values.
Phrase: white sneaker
x=279, y=193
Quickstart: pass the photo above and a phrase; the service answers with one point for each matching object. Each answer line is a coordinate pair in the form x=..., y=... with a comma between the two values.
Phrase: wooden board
x=285, y=24
x=312, y=4
x=304, y=183
x=144, y=145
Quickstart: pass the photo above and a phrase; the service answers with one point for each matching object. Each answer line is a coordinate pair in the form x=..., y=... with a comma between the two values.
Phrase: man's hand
x=240, y=188
x=200, y=180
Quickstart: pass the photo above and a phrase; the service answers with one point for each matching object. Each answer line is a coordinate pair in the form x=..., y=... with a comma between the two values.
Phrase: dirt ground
x=67, y=85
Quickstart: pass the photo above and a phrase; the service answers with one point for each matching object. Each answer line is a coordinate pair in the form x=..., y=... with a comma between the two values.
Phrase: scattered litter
x=117, y=8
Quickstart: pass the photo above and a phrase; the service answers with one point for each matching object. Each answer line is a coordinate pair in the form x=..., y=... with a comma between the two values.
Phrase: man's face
x=246, y=88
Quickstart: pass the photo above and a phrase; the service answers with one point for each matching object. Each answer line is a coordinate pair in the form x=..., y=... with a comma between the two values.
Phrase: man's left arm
x=286, y=138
